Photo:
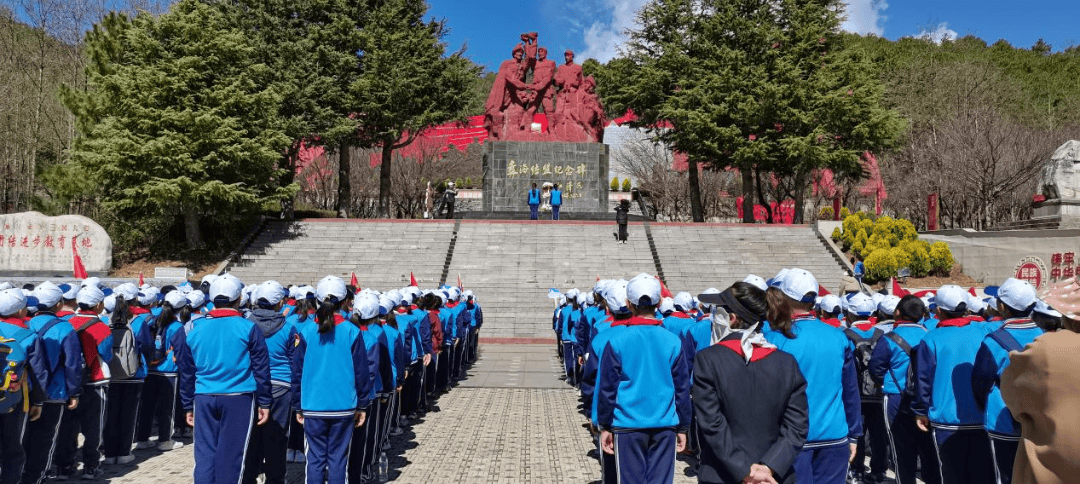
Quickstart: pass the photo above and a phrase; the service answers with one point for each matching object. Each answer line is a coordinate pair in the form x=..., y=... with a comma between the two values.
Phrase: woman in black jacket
x=749, y=398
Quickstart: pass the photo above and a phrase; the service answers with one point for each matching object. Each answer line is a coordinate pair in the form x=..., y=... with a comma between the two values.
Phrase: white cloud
x=603, y=40
x=865, y=17
x=938, y=33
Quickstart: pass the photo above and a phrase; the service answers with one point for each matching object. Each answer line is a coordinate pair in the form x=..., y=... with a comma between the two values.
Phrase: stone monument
x=1058, y=194
x=32, y=244
x=545, y=124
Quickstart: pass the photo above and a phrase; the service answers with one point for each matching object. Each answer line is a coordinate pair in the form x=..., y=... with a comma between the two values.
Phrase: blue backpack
x=14, y=387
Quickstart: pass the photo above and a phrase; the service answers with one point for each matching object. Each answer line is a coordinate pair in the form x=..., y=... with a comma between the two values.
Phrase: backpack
x=909, y=383
x=126, y=360
x=1006, y=340
x=14, y=389
x=864, y=349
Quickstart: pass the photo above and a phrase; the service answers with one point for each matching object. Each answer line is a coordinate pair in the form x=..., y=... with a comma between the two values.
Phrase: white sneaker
x=108, y=460
x=170, y=445
x=125, y=459
x=146, y=444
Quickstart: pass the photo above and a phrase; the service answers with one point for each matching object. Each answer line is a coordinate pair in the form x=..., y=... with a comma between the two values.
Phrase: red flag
x=459, y=281
x=412, y=280
x=897, y=290
x=664, y=292
x=821, y=291
x=353, y=282
x=141, y=281
x=80, y=270
x=924, y=293
x=972, y=291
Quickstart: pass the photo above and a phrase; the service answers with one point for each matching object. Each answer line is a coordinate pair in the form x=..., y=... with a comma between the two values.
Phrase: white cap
x=861, y=304
x=90, y=296
x=367, y=306
x=975, y=305
x=148, y=295
x=226, y=287
x=1042, y=308
x=799, y=285
x=615, y=297
x=196, y=299
x=757, y=281
x=269, y=292
x=385, y=305
x=127, y=290
x=110, y=302
x=830, y=304
x=582, y=298
x=48, y=295
x=395, y=296
x=5, y=286
x=888, y=305
x=949, y=297
x=1016, y=294
x=778, y=278
x=643, y=290
x=307, y=291
x=90, y=281
x=208, y=280
x=176, y=299
x=667, y=305
x=11, y=301
x=70, y=290
x=877, y=297
x=331, y=288
x=684, y=301
x=468, y=294
x=571, y=294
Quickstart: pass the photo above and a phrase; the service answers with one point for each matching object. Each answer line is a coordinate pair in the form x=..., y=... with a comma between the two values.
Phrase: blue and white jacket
x=278, y=332
x=322, y=383
x=373, y=342
x=990, y=362
x=889, y=363
x=37, y=363
x=643, y=380
x=943, y=364
x=224, y=354
x=63, y=356
x=826, y=361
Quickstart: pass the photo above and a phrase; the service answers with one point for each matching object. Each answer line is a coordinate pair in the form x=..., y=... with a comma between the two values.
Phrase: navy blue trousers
x=158, y=399
x=327, y=442
x=532, y=212
x=120, y=415
x=222, y=431
x=822, y=465
x=270, y=441
x=608, y=473
x=12, y=456
x=909, y=444
x=645, y=456
x=87, y=419
x=964, y=456
x=555, y=212
x=569, y=361
x=875, y=440
x=359, y=450
x=1004, y=456
x=39, y=442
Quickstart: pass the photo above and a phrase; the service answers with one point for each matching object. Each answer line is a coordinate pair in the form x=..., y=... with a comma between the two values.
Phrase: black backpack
x=864, y=349
x=909, y=383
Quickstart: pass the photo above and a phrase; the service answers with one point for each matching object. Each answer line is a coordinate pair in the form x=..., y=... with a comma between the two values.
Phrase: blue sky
x=593, y=28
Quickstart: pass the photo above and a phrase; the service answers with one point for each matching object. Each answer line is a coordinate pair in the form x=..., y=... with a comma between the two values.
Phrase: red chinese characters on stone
x=85, y=242
x=49, y=242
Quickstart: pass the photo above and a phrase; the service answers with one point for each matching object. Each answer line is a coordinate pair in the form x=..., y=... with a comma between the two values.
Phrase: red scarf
x=223, y=313
x=736, y=346
x=637, y=321
x=832, y=322
x=954, y=323
x=135, y=311
x=20, y=322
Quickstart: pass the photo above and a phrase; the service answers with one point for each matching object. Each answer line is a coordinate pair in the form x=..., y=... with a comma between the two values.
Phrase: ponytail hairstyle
x=324, y=316
x=302, y=308
x=391, y=319
x=780, y=311
x=360, y=322
x=750, y=305
x=166, y=317
x=121, y=314
x=185, y=314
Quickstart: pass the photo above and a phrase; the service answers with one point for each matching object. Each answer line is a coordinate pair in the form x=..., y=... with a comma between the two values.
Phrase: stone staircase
x=511, y=265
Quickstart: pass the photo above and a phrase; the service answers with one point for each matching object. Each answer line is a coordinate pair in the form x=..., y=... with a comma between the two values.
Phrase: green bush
x=844, y=212
x=941, y=259
x=920, y=261
x=880, y=265
x=626, y=185
x=459, y=183
x=615, y=184
x=468, y=182
x=826, y=213
x=837, y=234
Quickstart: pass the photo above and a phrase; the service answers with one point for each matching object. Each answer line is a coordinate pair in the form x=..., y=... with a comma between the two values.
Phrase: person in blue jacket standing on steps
x=1015, y=302
x=224, y=375
x=534, y=202
x=556, y=201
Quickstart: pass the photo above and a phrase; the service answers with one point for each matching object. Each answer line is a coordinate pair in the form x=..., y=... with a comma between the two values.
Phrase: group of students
x=259, y=374
x=773, y=382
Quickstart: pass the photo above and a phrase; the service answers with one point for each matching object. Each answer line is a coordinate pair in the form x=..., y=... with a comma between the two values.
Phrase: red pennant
x=897, y=290
x=459, y=282
x=80, y=270
x=141, y=281
x=412, y=280
x=924, y=293
x=821, y=291
x=972, y=291
x=664, y=292
x=353, y=282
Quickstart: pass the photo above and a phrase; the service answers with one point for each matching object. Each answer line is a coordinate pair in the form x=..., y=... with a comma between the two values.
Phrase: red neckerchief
x=1017, y=321
x=832, y=322
x=402, y=310
x=291, y=302
x=223, y=313
x=954, y=323
x=451, y=305
x=63, y=313
x=736, y=346
x=864, y=325
x=413, y=307
x=135, y=311
x=872, y=320
x=694, y=313
x=976, y=318
x=82, y=317
x=680, y=314
x=338, y=319
x=637, y=321
x=802, y=316
x=20, y=322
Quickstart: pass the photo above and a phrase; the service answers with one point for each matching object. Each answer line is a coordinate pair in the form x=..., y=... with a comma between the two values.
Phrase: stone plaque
x=172, y=273
x=511, y=167
x=32, y=244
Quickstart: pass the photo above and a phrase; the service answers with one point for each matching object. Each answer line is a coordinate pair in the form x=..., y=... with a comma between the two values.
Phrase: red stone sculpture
x=530, y=82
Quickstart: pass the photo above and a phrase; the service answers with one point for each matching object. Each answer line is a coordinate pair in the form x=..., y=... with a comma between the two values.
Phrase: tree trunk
x=761, y=199
x=384, y=180
x=800, y=196
x=288, y=205
x=695, y=193
x=344, y=191
x=191, y=228
x=748, y=194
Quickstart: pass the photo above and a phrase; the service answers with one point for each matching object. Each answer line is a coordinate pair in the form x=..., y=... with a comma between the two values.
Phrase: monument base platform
x=512, y=167
x=563, y=216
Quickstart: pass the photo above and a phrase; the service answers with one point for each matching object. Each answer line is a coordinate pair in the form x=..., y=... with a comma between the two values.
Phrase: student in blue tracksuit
x=396, y=346
x=944, y=403
x=331, y=387
x=476, y=322
x=224, y=383
x=610, y=294
x=825, y=358
x=643, y=391
x=679, y=320
x=63, y=353
x=534, y=202
x=132, y=310
x=160, y=390
x=303, y=313
x=362, y=452
x=556, y=201
x=568, y=319
x=267, y=451
x=891, y=364
x=865, y=336
x=1015, y=302
x=13, y=326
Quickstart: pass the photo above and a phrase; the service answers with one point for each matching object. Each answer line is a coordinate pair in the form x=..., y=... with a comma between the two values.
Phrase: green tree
x=762, y=86
x=179, y=121
x=406, y=83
